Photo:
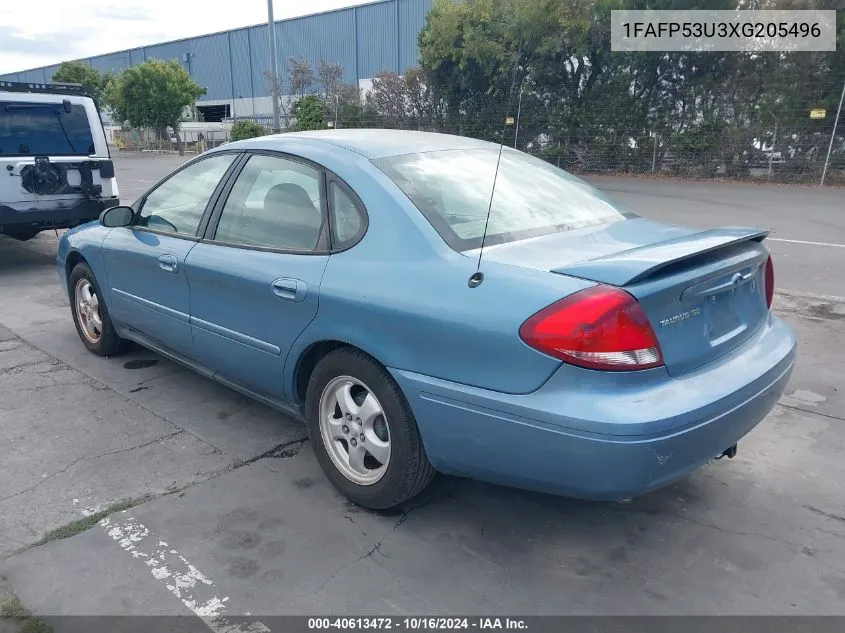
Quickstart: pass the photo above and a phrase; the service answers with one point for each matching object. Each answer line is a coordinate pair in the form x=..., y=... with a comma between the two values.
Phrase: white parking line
x=779, y=239
x=187, y=583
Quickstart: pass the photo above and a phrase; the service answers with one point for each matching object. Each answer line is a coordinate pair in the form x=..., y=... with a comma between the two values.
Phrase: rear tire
x=90, y=314
x=353, y=406
x=22, y=235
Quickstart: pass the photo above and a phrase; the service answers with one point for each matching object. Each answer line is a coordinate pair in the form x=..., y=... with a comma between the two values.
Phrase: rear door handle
x=168, y=263
x=290, y=289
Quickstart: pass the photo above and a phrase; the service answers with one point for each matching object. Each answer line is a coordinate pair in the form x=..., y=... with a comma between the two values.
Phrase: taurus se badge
x=683, y=316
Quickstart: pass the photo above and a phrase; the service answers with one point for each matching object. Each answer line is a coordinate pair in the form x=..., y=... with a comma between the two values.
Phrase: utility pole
x=832, y=136
x=274, y=68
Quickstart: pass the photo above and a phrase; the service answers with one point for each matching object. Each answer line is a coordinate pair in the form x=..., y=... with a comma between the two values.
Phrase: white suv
x=55, y=167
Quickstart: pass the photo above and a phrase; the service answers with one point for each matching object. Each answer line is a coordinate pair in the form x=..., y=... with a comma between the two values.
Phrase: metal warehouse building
x=364, y=39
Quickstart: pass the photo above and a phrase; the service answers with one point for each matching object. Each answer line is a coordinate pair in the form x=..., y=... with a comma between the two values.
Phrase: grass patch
x=13, y=609
x=75, y=527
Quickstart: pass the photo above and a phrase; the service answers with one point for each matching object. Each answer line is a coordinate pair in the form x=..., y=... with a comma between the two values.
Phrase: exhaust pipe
x=730, y=453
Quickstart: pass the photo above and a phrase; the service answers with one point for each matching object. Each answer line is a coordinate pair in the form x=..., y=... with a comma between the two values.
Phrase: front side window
x=178, y=204
x=38, y=129
x=276, y=203
x=532, y=197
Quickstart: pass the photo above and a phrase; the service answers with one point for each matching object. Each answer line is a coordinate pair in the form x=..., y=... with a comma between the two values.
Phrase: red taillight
x=769, y=279
x=598, y=328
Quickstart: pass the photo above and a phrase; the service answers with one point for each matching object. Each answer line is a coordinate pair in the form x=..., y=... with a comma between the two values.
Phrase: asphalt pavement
x=231, y=515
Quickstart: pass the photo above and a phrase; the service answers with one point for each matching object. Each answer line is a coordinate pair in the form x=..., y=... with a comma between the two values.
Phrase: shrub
x=246, y=129
x=310, y=113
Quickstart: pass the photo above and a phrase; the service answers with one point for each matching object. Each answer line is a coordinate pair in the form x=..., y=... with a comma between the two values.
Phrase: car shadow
x=33, y=255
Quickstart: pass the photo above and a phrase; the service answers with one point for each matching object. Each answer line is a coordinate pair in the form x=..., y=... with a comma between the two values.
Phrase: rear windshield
x=532, y=197
x=44, y=128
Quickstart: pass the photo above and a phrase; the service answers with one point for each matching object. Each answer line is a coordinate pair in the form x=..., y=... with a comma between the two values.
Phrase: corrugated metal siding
x=240, y=63
x=210, y=65
x=136, y=56
x=114, y=62
x=49, y=71
x=171, y=50
x=329, y=37
x=364, y=40
x=36, y=76
x=411, y=21
x=259, y=47
x=377, y=38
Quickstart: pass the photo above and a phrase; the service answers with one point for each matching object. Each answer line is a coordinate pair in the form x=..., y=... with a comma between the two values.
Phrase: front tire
x=90, y=314
x=363, y=432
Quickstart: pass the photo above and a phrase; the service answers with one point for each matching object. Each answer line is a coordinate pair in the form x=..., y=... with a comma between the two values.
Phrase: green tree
x=153, y=94
x=92, y=80
x=246, y=129
x=309, y=113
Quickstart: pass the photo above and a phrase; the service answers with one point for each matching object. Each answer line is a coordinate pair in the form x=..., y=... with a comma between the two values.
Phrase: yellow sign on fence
x=817, y=113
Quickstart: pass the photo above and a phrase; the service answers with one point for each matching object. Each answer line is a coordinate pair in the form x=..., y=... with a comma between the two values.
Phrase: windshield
x=44, y=129
x=532, y=197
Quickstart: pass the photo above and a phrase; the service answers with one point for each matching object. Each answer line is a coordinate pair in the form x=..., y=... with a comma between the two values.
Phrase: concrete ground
x=234, y=517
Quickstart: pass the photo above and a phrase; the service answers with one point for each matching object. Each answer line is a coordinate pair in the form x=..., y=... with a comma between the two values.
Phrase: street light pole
x=274, y=68
x=832, y=135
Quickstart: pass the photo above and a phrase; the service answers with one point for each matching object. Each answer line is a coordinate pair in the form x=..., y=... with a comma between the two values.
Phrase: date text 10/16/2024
x=417, y=624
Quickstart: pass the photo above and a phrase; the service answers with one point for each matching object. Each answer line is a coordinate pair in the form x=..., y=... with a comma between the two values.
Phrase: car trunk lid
x=702, y=290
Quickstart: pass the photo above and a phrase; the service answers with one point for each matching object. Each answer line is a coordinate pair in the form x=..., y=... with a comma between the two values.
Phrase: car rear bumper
x=598, y=435
x=63, y=218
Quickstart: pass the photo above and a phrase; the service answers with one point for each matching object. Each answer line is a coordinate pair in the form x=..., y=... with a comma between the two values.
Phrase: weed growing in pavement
x=13, y=609
x=75, y=527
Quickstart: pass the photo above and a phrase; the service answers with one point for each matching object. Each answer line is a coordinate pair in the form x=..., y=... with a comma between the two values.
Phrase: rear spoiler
x=636, y=264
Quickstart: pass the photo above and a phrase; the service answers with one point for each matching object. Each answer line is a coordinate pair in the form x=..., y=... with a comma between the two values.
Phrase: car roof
x=42, y=97
x=378, y=143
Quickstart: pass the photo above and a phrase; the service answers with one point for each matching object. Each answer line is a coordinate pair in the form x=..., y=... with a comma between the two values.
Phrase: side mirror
x=117, y=216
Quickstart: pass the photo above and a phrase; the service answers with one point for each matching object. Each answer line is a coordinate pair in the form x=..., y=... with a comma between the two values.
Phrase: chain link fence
x=157, y=141
x=751, y=144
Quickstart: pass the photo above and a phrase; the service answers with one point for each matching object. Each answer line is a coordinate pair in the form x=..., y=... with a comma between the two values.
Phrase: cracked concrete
x=763, y=533
x=75, y=446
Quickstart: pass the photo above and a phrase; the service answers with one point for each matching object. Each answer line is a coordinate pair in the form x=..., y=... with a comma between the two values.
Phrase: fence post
x=654, y=153
x=772, y=148
x=832, y=136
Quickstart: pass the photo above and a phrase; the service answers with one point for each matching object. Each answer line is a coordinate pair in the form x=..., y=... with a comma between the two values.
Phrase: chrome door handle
x=290, y=289
x=168, y=263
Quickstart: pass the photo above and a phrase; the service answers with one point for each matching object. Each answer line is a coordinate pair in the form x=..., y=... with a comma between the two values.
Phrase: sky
x=45, y=32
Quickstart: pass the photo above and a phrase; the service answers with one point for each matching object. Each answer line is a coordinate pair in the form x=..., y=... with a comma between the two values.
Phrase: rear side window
x=532, y=197
x=276, y=203
x=29, y=128
x=347, y=221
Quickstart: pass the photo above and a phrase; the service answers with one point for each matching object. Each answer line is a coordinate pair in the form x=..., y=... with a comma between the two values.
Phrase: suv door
x=255, y=280
x=145, y=262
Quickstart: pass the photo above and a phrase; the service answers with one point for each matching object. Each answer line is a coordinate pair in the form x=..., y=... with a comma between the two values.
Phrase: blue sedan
x=366, y=282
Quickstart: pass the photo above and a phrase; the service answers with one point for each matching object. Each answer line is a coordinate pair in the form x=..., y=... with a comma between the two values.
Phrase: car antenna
x=478, y=276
